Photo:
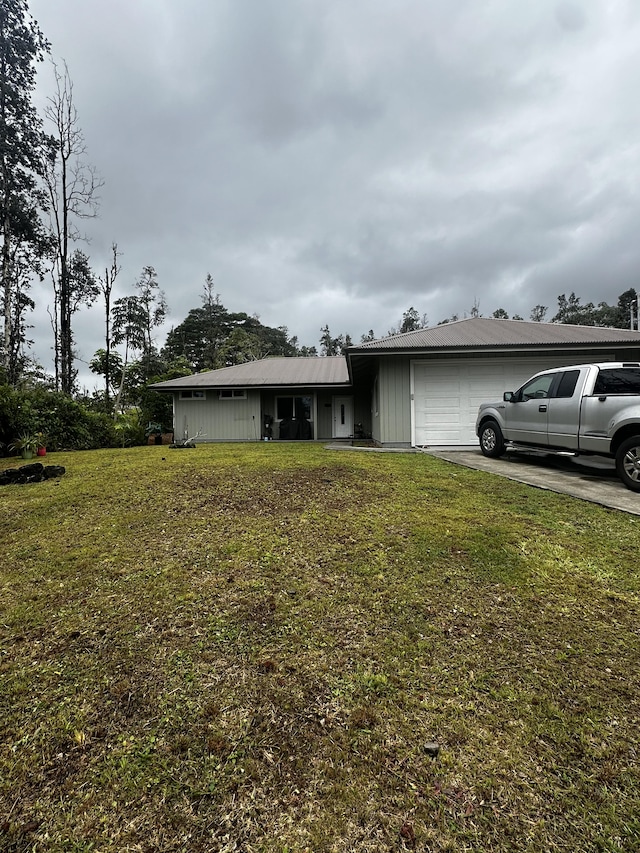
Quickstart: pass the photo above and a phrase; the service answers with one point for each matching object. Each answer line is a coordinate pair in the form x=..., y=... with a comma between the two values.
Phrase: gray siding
x=393, y=426
x=219, y=420
x=243, y=420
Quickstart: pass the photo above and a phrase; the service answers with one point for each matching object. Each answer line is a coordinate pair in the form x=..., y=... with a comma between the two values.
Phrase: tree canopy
x=211, y=337
x=22, y=146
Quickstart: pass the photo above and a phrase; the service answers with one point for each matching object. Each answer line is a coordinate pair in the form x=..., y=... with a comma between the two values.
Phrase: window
x=192, y=395
x=232, y=394
x=618, y=380
x=567, y=384
x=537, y=388
x=293, y=408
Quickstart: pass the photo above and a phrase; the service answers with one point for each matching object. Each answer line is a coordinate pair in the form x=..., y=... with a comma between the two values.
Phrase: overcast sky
x=337, y=161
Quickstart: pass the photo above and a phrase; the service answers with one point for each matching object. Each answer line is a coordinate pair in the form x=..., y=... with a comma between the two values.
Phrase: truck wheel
x=628, y=463
x=491, y=440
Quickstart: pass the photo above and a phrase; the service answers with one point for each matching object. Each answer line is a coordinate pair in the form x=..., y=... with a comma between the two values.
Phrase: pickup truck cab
x=585, y=409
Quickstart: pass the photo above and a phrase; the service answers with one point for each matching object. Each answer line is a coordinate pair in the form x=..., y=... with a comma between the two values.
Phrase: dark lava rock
x=35, y=472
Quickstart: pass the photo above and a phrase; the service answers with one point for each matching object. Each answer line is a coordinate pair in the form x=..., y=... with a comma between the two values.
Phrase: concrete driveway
x=591, y=479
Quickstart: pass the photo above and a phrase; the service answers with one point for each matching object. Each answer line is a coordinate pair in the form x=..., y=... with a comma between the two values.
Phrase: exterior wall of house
x=219, y=420
x=362, y=409
x=320, y=421
x=375, y=408
x=233, y=419
x=237, y=419
x=392, y=425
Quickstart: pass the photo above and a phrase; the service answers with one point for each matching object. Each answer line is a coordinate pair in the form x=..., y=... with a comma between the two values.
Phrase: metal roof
x=267, y=373
x=491, y=332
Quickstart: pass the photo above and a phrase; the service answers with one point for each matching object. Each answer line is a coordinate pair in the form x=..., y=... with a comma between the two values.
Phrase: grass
x=255, y=647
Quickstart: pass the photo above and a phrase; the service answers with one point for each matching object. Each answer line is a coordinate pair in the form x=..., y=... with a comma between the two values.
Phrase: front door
x=342, y=417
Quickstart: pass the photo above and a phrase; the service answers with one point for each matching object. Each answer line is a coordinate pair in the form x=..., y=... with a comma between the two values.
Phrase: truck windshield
x=618, y=380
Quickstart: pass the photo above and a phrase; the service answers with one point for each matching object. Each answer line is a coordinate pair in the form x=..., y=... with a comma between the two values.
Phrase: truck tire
x=628, y=463
x=491, y=440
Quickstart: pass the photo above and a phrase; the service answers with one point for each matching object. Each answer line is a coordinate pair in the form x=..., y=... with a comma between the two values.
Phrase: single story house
x=281, y=398
x=418, y=389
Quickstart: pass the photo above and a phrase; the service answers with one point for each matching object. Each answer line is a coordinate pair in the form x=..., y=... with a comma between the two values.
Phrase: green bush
x=129, y=430
x=67, y=424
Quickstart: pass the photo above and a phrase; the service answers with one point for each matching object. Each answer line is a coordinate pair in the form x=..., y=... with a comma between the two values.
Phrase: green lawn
x=251, y=648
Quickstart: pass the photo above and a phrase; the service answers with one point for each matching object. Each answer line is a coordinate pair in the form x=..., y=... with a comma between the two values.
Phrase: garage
x=426, y=385
x=446, y=394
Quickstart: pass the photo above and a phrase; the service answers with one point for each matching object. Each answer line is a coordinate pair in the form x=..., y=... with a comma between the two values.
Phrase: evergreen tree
x=106, y=284
x=152, y=311
x=328, y=345
x=538, y=313
x=572, y=312
x=22, y=143
x=627, y=309
x=128, y=328
x=411, y=322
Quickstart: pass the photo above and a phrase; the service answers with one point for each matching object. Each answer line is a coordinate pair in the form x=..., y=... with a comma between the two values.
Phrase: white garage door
x=446, y=394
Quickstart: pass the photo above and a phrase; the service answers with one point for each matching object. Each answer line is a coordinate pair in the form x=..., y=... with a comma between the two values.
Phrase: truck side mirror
x=508, y=396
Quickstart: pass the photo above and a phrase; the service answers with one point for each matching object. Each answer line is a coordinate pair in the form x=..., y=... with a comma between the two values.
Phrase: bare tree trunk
x=106, y=286
x=7, y=291
x=72, y=186
x=118, y=403
x=7, y=283
x=56, y=341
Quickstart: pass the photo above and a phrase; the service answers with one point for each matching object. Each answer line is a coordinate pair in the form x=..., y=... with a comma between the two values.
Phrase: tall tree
x=21, y=303
x=106, y=283
x=538, y=313
x=571, y=311
x=153, y=310
x=411, y=322
x=334, y=346
x=475, y=309
x=211, y=337
x=108, y=364
x=22, y=142
x=327, y=343
x=213, y=313
x=628, y=310
x=72, y=186
x=26, y=259
x=129, y=321
x=500, y=314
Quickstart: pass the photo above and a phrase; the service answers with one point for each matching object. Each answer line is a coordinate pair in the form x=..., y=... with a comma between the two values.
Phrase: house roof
x=267, y=373
x=474, y=334
x=487, y=332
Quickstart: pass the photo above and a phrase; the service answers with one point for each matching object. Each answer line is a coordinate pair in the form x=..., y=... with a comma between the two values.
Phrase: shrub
x=68, y=425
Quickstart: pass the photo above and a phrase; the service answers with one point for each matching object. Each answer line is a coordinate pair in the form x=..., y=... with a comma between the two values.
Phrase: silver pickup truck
x=586, y=409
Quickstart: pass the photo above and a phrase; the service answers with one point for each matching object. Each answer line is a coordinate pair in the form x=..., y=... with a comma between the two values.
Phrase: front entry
x=342, y=417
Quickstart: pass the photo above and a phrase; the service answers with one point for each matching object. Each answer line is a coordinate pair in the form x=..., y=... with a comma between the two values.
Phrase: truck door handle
x=542, y=408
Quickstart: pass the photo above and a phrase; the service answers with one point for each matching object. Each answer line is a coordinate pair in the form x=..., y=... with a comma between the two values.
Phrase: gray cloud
x=338, y=162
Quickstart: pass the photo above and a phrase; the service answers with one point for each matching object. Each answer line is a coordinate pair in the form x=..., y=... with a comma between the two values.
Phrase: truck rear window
x=619, y=380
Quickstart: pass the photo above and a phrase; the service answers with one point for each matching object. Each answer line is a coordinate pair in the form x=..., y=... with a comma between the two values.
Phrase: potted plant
x=42, y=444
x=26, y=445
